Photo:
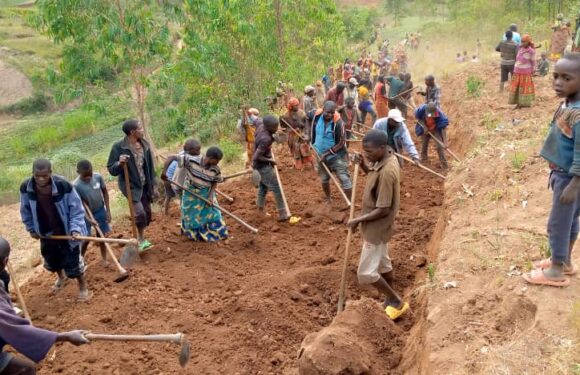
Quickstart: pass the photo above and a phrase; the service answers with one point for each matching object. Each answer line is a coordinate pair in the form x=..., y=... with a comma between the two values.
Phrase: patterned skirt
x=199, y=221
x=522, y=90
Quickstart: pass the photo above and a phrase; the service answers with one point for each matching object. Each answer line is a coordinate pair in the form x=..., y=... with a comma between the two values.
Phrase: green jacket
x=115, y=169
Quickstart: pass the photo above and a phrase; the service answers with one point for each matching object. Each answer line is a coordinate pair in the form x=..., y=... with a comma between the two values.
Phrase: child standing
x=93, y=191
x=562, y=151
x=264, y=163
x=380, y=205
x=49, y=205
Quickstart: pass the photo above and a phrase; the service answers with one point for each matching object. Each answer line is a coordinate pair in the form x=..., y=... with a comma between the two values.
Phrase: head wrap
x=308, y=89
x=528, y=38
x=293, y=102
x=253, y=111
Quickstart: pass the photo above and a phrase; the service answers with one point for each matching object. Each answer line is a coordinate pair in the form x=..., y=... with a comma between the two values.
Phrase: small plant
x=518, y=160
x=545, y=250
x=495, y=195
x=475, y=86
x=431, y=272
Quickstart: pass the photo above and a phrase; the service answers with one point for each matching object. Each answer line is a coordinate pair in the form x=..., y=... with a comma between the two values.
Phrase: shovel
x=123, y=274
x=178, y=338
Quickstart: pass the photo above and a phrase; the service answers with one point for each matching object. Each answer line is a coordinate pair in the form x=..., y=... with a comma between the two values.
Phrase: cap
x=353, y=81
x=396, y=115
x=431, y=110
x=308, y=89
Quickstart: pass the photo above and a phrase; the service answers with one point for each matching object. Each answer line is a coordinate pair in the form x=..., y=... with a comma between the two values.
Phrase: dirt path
x=15, y=85
x=247, y=304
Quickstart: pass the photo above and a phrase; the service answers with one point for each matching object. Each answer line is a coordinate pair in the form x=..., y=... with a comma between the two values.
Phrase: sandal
x=547, y=263
x=393, y=313
x=145, y=245
x=537, y=277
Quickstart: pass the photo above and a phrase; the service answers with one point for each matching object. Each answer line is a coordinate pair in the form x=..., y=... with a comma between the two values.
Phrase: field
x=266, y=303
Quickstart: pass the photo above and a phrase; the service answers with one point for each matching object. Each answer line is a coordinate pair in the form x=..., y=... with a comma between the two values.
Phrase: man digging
x=49, y=205
x=380, y=204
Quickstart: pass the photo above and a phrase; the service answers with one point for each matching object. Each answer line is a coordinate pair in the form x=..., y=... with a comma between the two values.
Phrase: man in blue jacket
x=328, y=138
x=399, y=136
x=432, y=121
x=49, y=205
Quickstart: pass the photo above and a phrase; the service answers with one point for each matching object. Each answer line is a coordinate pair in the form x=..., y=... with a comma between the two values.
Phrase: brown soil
x=15, y=85
x=246, y=304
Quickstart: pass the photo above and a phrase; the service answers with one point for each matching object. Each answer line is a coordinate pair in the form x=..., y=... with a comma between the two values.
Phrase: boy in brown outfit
x=380, y=205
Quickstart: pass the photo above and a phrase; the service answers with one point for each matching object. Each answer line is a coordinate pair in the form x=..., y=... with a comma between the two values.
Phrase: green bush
x=358, y=22
x=475, y=86
x=65, y=163
x=231, y=150
x=37, y=103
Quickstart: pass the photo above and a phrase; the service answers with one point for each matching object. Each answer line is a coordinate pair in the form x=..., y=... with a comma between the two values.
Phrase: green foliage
x=518, y=159
x=64, y=163
x=397, y=9
x=431, y=268
x=475, y=85
x=232, y=150
x=359, y=22
x=38, y=102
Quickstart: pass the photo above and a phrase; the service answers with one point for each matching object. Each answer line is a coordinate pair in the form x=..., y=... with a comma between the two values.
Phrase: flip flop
x=537, y=277
x=547, y=263
x=145, y=245
x=394, y=313
x=87, y=298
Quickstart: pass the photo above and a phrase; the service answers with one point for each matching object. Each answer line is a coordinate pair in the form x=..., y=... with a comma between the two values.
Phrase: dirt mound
x=358, y=341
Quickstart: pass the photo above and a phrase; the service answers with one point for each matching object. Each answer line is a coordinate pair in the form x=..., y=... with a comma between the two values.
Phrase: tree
x=130, y=38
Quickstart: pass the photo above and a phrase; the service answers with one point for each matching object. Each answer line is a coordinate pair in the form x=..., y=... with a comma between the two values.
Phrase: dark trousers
x=563, y=224
x=142, y=211
x=440, y=135
x=269, y=182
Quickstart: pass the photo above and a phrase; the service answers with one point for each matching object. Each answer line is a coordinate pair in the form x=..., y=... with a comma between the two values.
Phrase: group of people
x=518, y=61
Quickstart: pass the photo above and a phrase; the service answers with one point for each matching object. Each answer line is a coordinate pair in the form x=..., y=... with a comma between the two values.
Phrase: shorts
x=5, y=359
x=506, y=70
x=101, y=219
x=374, y=261
x=60, y=255
x=337, y=164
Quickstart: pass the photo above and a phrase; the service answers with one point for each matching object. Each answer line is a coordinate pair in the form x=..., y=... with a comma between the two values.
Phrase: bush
x=37, y=103
x=65, y=163
x=475, y=86
x=232, y=150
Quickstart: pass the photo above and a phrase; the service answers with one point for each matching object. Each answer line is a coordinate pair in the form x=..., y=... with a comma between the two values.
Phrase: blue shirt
x=171, y=169
x=562, y=145
x=324, y=136
x=516, y=38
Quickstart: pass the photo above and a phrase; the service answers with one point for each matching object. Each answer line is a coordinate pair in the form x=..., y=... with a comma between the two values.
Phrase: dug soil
x=246, y=304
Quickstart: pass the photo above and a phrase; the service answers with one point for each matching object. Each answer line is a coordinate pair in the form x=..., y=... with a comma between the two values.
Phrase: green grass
x=518, y=159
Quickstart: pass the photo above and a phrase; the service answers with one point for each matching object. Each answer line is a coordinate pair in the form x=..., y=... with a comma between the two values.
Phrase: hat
x=353, y=81
x=431, y=110
x=308, y=89
x=396, y=115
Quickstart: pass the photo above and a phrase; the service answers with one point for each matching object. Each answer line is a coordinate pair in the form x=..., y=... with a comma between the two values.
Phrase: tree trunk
x=280, y=31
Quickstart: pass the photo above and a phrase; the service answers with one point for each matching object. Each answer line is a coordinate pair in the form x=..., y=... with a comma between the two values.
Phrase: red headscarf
x=528, y=38
x=293, y=102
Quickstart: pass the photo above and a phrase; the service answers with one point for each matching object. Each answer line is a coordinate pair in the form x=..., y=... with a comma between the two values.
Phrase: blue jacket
x=441, y=122
x=562, y=145
x=402, y=137
x=67, y=202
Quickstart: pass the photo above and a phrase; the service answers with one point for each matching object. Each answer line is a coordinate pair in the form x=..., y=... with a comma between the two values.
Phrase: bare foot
x=84, y=295
x=59, y=284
